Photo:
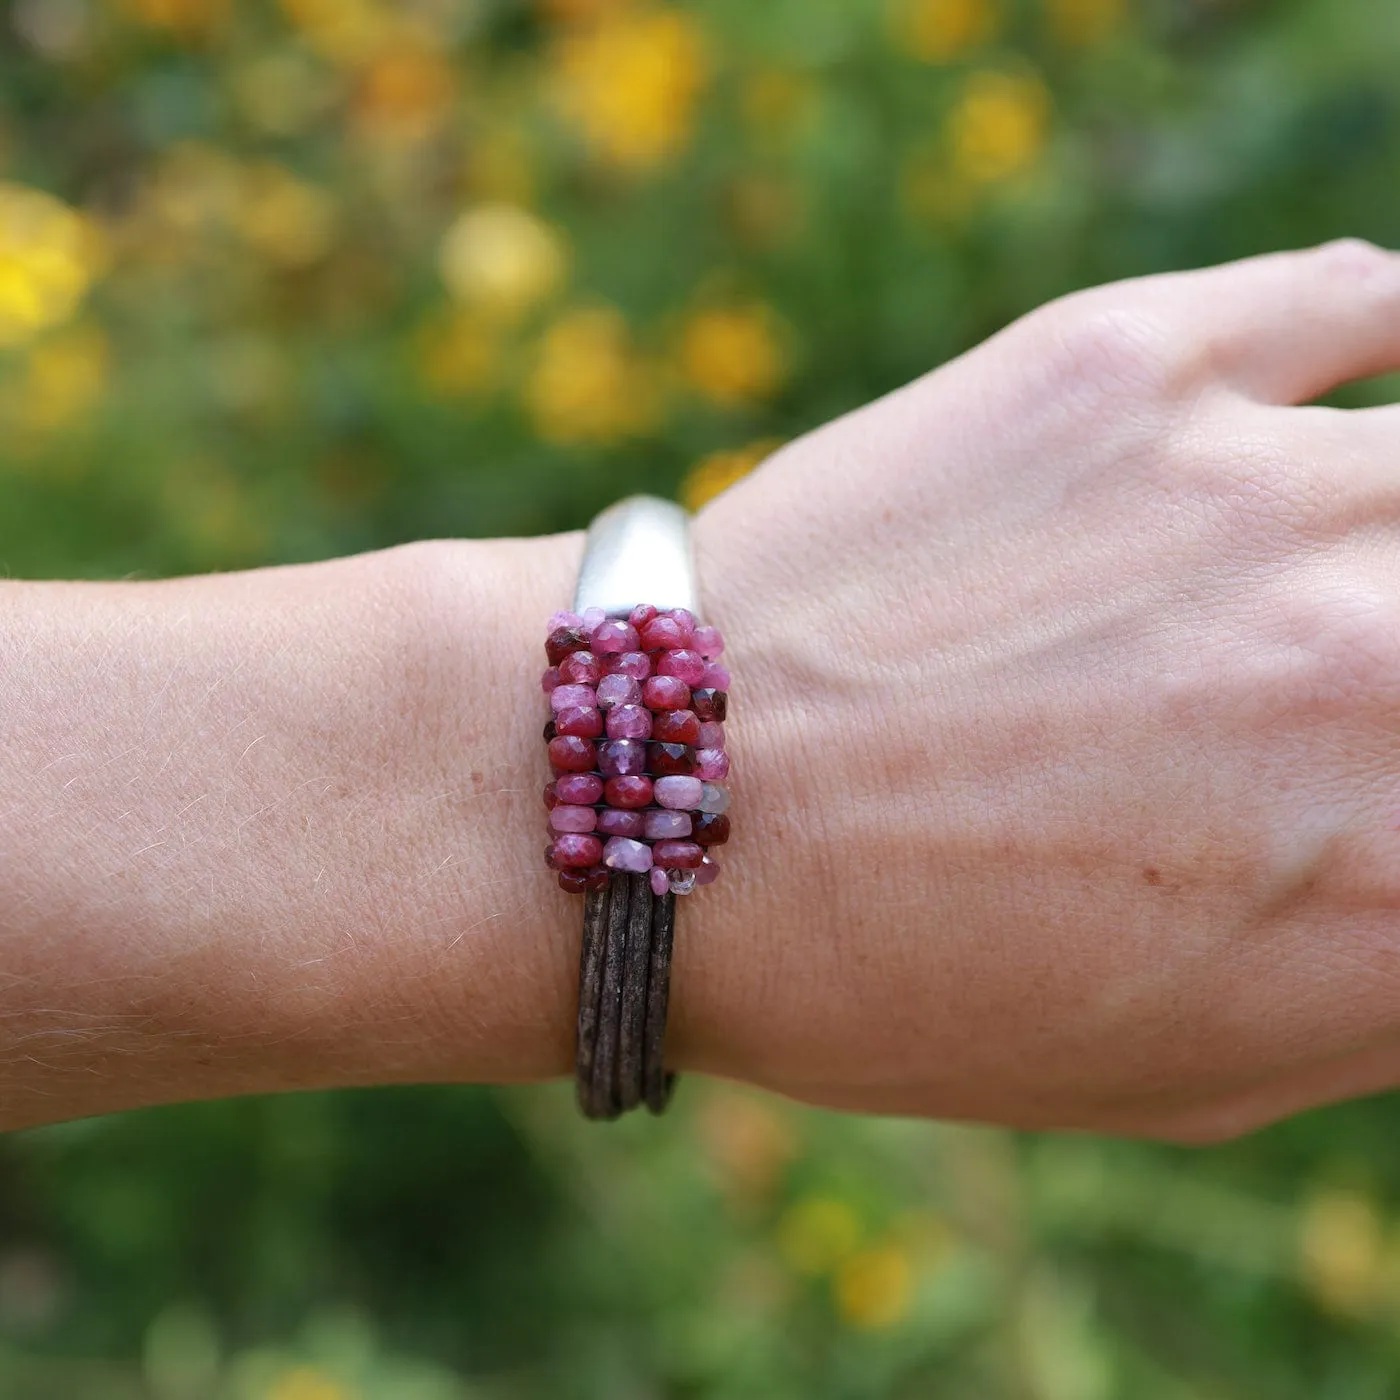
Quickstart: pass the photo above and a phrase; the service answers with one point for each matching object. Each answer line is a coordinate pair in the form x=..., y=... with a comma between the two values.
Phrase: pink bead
x=678, y=792
x=615, y=821
x=684, y=619
x=622, y=758
x=636, y=664
x=629, y=722
x=660, y=881
x=665, y=825
x=619, y=690
x=551, y=795
x=572, y=697
x=578, y=819
x=581, y=788
x=623, y=854
x=632, y=791
x=716, y=676
x=665, y=693
x=593, y=618
x=677, y=855
x=584, y=721
x=707, y=872
x=711, y=765
x=580, y=668
x=688, y=666
x=550, y=679
x=575, y=851
x=641, y=615
x=613, y=637
x=570, y=754
x=708, y=642
x=711, y=735
x=663, y=634
x=565, y=619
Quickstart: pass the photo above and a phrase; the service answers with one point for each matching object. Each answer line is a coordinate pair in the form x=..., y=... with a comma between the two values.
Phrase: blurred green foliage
x=279, y=281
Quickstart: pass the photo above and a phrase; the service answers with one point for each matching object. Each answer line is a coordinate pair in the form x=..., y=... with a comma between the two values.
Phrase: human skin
x=1066, y=736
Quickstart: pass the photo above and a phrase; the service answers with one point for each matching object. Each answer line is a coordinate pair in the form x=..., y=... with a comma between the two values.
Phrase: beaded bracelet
x=636, y=744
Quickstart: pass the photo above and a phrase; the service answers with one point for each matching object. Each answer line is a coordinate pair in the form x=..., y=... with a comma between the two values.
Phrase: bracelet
x=638, y=697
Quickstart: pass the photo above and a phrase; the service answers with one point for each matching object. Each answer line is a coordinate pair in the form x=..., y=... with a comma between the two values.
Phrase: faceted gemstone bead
x=632, y=791
x=593, y=618
x=716, y=676
x=641, y=615
x=598, y=877
x=629, y=722
x=681, y=794
x=660, y=881
x=710, y=828
x=712, y=798
x=708, y=642
x=572, y=697
x=666, y=693
x=711, y=764
x=622, y=758
x=580, y=668
x=686, y=665
x=550, y=730
x=623, y=854
x=586, y=723
x=682, y=881
x=711, y=735
x=576, y=852
x=583, y=789
x=568, y=818
x=677, y=855
x=563, y=640
x=565, y=618
x=570, y=754
x=663, y=633
x=710, y=704
x=549, y=679
x=636, y=664
x=666, y=759
x=665, y=825
x=685, y=620
x=708, y=872
x=614, y=822
x=619, y=690
x=676, y=727
x=613, y=637
x=551, y=795
x=573, y=881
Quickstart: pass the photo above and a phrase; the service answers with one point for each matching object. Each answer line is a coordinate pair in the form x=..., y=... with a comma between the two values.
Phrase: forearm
x=278, y=830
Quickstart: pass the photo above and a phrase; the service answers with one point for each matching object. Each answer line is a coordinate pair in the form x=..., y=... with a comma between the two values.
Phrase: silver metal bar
x=637, y=551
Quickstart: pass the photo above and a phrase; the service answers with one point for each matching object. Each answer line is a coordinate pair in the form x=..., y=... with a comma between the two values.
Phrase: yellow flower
x=873, y=1288
x=720, y=470
x=630, y=83
x=348, y=32
x=307, y=1383
x=456, y=356
x=588, y=384
x=999, y=125
x=817, y=1234
x=1084, y=22
x=289, y=221
x=63, y=379
x=1341, y=1251
x=732, y=355
x=501, y=258
x=938, y=30
x=48, y=259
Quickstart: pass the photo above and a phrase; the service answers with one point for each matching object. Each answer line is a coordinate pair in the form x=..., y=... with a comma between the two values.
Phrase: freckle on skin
x=478, y=779
x=1151, y=874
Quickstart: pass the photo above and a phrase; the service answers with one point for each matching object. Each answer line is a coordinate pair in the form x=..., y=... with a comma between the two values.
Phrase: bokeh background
x=285, y=280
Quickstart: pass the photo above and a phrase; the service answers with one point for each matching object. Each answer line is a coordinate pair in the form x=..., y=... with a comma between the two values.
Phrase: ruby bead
x=632, y=791
x=688, y=666
x=629, y=722
x=586, y=723
x=597, y=878
x=622, y=758
x=665, y=825
x=712, y=765
x=708, y=642
x=619, y=690
x=550, y=730
x=549, y=679
x=562, y=641
x=676, y=727
x=666, y=693
x=663, y=633
x=710, y=828
x=710, y=704
x=613, y=637
x=636, y=664
x=660, y=881
x=680, y=793
x=708, y=872
x=573, y=881
x=580, y=668
x=576, y=852
x=577, y=819
x=641, y=615
x=677, y=855
x=614, y=822
x=572, y=697
x=666, y=759
x=582, y=789
x=716, y=676
x=623, y=854
x=570, y=754
x=551, y=795
x=685, y=620
x=711, y=735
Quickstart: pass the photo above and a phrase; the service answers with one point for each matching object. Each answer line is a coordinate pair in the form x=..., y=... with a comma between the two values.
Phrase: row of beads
x=636, y=743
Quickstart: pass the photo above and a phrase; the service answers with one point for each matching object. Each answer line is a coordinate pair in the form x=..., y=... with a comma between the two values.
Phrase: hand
x=1067, y=723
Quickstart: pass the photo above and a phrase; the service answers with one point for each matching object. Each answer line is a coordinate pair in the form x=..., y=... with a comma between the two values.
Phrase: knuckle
x=1356, y=260
x=1097, y=349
